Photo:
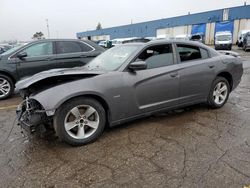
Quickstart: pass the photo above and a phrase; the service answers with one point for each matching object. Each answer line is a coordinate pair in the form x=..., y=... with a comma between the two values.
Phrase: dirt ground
x=192, y=147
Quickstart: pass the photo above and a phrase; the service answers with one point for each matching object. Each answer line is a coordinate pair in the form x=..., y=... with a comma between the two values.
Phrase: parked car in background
x=241, y=37
x=120, y=41
x=199, y=37
x=4, y=48
x=103, y=43
x=246, y=41
x=117, y=41
x=136, y=39
x=124, y=83
x=43, y=55
x=182, y=37
x=223, y=40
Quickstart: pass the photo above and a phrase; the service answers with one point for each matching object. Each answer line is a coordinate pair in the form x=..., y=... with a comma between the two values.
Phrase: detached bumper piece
x=31, y=117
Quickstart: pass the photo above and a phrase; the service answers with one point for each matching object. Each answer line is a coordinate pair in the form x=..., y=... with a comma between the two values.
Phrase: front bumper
x=223, y=46
x=30, y=116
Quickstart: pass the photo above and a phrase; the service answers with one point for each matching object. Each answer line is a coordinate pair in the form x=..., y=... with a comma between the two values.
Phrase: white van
x=223, y=40
x=241, y=37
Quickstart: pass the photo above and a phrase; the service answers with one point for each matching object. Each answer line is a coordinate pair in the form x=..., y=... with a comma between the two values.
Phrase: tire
x=6, y=87
x=244, y=48
x=84, y=130
x=215, y=99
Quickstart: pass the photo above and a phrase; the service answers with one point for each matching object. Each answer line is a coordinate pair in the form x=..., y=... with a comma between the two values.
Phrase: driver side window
x=157, y=56
x=40, y=49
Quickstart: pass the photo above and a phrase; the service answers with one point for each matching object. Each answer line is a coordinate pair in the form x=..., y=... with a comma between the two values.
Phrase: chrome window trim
x=93, y=49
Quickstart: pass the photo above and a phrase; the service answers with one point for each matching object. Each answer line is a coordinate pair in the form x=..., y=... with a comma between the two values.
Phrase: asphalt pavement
x=191, y=147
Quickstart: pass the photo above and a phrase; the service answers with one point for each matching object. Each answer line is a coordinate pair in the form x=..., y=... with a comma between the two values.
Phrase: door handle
x=174, y=74
x=211, y=66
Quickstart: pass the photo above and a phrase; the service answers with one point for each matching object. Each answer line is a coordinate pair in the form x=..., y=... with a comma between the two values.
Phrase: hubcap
x=220, y=93
x=4, y=87
x=81, y=121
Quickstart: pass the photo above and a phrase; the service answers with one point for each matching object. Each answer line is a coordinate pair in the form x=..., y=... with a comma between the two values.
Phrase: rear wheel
x=6, y=87
x=219, y=93
x=245, y=48
x=80, y=121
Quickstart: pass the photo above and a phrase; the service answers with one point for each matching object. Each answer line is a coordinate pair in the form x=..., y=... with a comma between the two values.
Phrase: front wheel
x=6, y=87
x=80, y=121
x=219, y=93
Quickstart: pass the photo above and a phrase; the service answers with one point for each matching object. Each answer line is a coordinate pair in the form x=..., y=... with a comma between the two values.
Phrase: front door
x=40, y=57
x=156, y=87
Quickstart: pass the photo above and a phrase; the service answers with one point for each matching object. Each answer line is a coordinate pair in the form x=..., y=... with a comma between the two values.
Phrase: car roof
x=185, y=42
x=162, y=41
x=43, y=40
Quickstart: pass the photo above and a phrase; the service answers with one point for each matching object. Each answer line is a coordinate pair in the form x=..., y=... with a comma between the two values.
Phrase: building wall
x=209, y=38
x=177, y=25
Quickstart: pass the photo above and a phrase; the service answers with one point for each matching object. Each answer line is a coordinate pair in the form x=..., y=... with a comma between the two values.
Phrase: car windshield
x=223, y=37
x=113, y=58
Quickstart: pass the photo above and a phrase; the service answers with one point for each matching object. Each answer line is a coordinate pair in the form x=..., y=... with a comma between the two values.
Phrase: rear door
x=157, y=86
x=197, y=71
x=74, y=53
x=40, y=57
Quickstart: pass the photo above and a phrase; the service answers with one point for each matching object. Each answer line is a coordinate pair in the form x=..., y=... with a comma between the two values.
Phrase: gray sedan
x=125, y=83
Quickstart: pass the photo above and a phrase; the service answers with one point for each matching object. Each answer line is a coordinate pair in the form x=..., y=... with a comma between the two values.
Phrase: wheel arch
x=9, y=75
x=228, y=77
x=98, y=98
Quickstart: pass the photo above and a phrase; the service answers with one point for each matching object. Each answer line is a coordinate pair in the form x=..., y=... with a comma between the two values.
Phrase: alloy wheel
x=4, y=87
x=220, y=93
x=81, y=121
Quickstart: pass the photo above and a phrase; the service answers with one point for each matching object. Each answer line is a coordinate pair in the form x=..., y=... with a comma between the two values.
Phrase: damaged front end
x=32, y=117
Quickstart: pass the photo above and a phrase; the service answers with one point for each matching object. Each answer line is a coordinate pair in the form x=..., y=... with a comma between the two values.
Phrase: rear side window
x=204, y=53
x=64, y=47
x=157, y=56
x=188, y=52
x=85, y=47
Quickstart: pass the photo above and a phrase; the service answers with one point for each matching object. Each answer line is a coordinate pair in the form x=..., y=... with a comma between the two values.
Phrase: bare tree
x=38, y=36
x=99, y=26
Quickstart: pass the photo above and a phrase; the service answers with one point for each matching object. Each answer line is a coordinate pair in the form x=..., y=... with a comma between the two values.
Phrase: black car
x=43, y=55
x=4, y=48
x=199, y=37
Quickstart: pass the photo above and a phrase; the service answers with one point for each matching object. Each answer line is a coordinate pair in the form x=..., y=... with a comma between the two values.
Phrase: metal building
x=232, y=19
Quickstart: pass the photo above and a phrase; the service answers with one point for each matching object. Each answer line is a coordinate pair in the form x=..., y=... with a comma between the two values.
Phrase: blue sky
x=20, y=19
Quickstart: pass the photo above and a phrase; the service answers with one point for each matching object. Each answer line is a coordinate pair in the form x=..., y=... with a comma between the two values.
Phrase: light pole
x=47, y=21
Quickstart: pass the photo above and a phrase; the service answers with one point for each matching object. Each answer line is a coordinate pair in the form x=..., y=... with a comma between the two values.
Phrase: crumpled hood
x=26, y=82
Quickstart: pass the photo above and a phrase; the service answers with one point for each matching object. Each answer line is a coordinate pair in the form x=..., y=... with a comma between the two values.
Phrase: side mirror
x=138, y=65
x=21, y=55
